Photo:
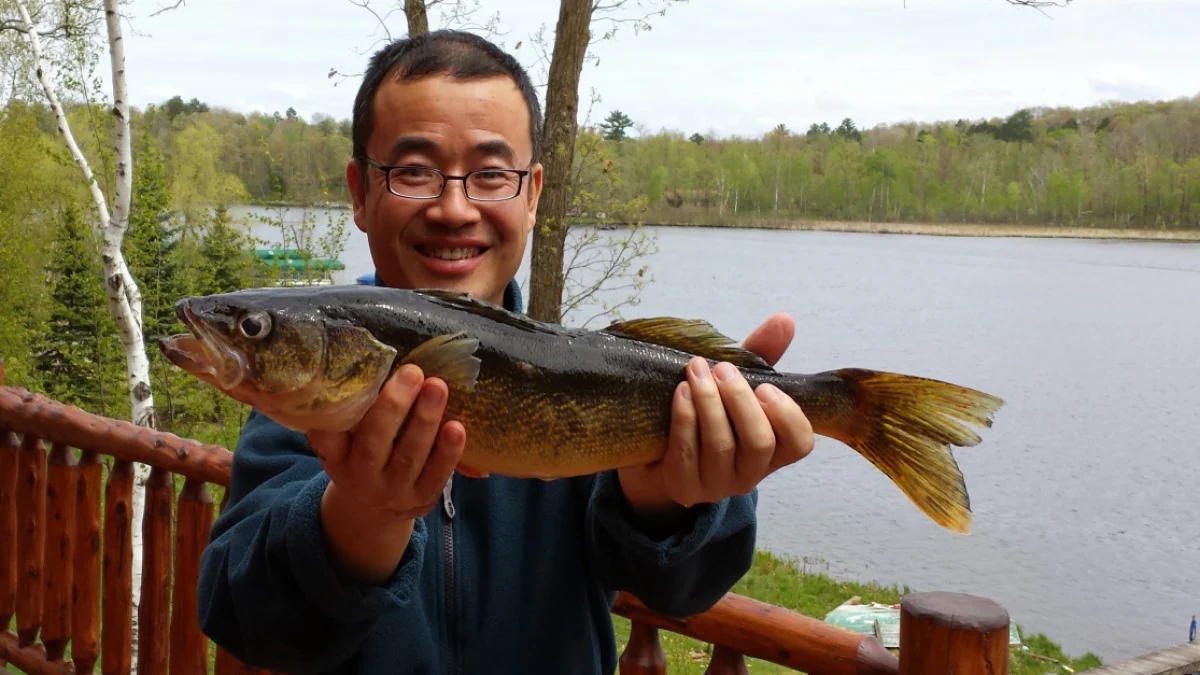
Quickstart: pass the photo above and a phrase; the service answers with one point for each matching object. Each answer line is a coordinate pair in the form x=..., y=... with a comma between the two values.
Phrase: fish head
x=290, y=361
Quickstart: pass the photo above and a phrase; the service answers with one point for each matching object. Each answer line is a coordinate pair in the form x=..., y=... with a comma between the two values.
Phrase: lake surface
x=1087, y=519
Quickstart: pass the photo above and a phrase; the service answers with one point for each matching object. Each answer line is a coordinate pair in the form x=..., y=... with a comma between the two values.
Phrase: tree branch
x=64, y=31
x=381, y=20
x=177, y=5
x=60, y=116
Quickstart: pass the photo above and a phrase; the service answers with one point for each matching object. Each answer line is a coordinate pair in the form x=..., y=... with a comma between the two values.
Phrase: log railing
x=60, y=563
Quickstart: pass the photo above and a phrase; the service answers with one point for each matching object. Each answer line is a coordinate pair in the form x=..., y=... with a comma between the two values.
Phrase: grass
x=790, y=584
x=937, y=229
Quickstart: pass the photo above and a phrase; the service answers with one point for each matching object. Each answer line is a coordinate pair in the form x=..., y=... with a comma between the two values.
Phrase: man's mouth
x=445, y=253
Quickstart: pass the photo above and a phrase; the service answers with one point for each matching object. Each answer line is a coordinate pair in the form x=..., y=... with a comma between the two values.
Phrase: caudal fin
x=906, y=425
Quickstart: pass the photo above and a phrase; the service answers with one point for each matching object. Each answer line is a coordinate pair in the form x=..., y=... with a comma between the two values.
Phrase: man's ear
x=357, y=184
x=534, y=179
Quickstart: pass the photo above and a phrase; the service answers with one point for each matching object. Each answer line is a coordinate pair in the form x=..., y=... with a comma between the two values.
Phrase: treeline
x=1129, y=165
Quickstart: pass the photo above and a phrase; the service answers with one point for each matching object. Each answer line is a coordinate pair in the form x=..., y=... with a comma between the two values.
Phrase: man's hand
x=381, y=480
x=725, y=437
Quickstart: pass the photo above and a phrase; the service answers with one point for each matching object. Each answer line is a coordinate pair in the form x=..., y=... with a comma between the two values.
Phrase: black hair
x=457, y=54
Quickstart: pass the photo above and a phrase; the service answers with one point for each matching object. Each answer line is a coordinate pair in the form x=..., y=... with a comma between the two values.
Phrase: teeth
x=451, y=253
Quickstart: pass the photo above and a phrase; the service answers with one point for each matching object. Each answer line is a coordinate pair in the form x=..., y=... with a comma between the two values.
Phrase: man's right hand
x=381, y=480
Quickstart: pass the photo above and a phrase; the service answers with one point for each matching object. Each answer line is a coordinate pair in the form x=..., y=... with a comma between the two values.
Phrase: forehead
x=452, y=113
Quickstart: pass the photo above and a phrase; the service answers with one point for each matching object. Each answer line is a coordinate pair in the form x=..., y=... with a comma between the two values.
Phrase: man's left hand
x=725, y=437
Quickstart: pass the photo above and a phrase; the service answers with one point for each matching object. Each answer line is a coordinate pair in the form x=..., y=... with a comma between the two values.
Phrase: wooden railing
x=59, y=566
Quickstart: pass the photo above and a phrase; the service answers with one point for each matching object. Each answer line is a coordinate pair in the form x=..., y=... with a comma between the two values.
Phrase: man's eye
x=412, y=174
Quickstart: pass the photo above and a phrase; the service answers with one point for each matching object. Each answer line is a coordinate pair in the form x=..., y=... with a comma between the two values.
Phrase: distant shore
x=863, y=227
x=944, y=229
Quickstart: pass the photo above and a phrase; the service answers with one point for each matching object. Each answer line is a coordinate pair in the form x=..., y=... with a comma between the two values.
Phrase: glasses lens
x=415, y=181
x=493, y=185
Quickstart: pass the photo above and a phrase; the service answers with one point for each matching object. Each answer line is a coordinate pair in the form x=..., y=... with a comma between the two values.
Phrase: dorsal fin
x=474, y=305
x=694, y=336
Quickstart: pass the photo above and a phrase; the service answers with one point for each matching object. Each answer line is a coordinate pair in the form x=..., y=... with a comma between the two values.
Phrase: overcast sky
x=723, y=66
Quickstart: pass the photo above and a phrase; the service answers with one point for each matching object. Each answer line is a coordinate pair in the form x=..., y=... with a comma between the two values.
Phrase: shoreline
x=865, y=227
x=943, y=229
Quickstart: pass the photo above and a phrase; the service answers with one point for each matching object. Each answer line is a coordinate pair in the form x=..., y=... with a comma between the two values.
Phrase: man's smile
x=449, y=253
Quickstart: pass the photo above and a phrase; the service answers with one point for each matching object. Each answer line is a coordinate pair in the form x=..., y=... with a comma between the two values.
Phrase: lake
x=1087, y=524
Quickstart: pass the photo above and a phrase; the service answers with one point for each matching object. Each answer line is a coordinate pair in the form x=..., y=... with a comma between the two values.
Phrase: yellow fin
x=450, y=358
x=906, y=426
x=694, y=336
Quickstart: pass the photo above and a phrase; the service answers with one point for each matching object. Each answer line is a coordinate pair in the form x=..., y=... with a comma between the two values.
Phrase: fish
x=543, y=400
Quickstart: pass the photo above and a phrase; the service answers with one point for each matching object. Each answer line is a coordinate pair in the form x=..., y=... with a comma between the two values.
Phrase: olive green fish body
x=545, y=401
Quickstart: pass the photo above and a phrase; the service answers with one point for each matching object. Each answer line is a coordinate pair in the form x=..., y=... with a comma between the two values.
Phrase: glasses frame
x=446, y=178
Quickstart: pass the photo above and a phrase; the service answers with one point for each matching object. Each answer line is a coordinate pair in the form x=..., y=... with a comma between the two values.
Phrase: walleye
x=541, y=400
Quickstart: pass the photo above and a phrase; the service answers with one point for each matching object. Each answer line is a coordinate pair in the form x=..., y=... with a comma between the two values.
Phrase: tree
x=124, y=297
x=571, y=40
x=75, y=353
x=615, y=124
x=848, y=130
x=152, y=251
x=562, y=110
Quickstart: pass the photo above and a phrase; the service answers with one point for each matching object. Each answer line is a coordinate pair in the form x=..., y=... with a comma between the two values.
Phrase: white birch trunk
x=124, y=297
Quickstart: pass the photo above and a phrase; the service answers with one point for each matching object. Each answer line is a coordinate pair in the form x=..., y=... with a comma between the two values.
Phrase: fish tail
x=905, y=426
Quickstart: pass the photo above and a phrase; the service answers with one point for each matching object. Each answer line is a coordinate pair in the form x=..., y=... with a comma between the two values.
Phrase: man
x=364, y=552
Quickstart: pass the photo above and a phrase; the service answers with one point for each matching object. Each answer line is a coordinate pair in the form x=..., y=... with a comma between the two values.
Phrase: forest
x=1121, y=164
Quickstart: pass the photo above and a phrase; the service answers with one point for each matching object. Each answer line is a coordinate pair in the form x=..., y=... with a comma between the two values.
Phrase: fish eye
x=255, y=325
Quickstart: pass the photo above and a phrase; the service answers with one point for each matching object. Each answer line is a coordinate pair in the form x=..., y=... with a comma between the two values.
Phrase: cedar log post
x=952, y=633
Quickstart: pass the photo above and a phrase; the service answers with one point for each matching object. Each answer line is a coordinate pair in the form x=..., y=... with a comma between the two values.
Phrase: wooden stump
x=944, y=633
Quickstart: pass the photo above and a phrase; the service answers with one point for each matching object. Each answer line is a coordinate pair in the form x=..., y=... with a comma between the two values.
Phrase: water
x=1087, y=520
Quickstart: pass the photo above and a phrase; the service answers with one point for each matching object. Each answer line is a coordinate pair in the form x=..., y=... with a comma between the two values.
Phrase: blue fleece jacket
x=505, y=576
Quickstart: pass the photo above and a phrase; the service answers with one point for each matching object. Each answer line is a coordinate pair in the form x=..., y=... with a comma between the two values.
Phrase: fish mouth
x=203, y=353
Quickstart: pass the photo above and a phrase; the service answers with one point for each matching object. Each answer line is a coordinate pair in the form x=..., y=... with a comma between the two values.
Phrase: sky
x=717, y=67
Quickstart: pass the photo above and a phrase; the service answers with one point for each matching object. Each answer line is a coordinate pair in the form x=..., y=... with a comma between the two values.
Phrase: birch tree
x=124, y=296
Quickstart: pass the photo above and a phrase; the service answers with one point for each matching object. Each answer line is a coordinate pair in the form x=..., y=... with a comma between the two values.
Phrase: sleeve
x=268, y=593
x=678, y=573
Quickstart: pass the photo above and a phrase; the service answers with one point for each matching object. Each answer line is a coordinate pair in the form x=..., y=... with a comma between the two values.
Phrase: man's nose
x=453, y=209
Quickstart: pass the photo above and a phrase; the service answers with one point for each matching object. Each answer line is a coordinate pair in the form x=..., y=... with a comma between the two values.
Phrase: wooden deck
x=1182, y=659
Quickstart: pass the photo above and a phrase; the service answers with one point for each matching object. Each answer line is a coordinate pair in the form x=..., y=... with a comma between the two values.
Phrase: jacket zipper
x=448, y=555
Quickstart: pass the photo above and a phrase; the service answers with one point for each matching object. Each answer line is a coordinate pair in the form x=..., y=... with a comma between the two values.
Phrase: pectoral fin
x=450, y=358
x=694, y=336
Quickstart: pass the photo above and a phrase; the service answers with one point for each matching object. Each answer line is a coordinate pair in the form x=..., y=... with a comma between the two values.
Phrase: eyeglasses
x=422, y=182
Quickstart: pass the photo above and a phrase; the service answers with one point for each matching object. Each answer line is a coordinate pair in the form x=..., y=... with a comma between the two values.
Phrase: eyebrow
x=497, y=148
x=408, y=144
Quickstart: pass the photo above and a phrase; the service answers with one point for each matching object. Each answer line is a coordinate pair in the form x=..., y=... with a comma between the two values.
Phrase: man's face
x=454, y=126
